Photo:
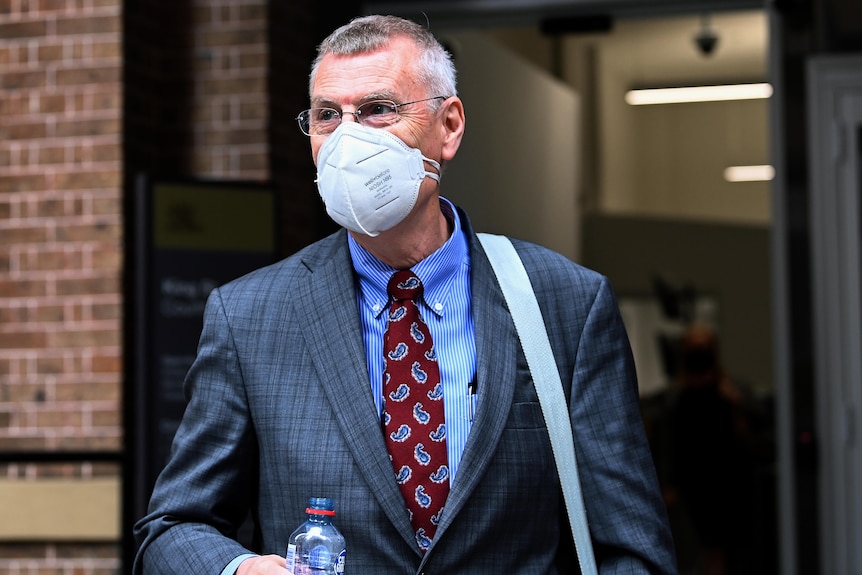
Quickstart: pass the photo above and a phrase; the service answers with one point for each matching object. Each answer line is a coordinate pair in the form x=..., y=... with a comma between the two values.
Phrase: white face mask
x=368, y=178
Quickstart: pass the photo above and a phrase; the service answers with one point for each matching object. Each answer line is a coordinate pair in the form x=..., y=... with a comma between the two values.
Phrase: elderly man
x=296, y=391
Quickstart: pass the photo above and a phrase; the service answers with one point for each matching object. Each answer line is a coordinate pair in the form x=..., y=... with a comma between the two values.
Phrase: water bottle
x=316, y=547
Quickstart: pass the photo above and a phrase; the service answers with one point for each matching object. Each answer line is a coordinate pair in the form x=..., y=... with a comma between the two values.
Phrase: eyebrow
x=327, y=103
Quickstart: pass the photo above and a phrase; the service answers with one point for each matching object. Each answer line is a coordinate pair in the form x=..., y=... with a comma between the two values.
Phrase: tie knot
x=404, y=284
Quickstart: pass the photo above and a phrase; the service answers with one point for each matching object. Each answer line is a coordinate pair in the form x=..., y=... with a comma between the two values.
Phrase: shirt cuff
x=234, y=565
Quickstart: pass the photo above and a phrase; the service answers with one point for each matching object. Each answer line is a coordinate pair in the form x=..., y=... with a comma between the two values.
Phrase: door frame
x=834, y=124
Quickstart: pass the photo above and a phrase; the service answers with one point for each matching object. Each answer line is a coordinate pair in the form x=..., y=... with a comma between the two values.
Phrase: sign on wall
x=191, y=236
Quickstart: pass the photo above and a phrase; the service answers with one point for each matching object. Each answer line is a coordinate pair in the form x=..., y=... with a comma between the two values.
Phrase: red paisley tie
x=413, y=418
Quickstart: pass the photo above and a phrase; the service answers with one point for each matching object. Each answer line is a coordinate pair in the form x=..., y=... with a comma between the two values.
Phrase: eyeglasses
x=374, y=114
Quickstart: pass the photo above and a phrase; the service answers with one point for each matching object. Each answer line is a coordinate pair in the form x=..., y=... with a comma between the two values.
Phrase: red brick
x=90, y=442
x=106, y=153
x=46, y=418
x=107, y=205
x=53, y=5
x=233, y=38
x=104, y=101
x=90, y=391
x=22, y=183
x=51, y=259
x=254, y=110
x=89, y=551
x=21, y=288
x=106, y=418
x=23, y=30
x=107, y=363
x=48, y=207
x=236, y=85
x=48, y=155
x=23, y=131
x=33, y=442
x=256, y=12
x=231, y=137
x=254, y=162
x=107, y=259
x=51, y=104
x=257, y=59
x=112, y=50
x=50, y=365
x=79, y=128
x=22, y=340
x=88, y=286
x=106, y=311
x=11, y=105
x=107, y=4
x=87, y=25
x=89, y=232
x=88, y=76
x=83, y=180
x=47, y=53
x=25, y=392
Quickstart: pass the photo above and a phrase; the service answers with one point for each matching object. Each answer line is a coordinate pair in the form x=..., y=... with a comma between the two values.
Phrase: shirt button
x=439, y=307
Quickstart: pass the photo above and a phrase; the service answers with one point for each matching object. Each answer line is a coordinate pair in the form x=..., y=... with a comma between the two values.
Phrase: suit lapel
x=330, y=285
x=338, y=354
x=496, y=346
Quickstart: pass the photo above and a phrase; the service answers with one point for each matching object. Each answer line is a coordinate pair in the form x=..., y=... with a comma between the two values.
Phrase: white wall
x=517, y=169
x=668, y=160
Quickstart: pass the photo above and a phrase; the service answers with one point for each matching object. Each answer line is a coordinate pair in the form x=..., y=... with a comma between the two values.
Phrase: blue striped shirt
x=447, y=311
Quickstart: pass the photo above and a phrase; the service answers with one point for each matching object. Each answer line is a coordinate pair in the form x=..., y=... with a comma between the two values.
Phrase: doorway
x=656, y=210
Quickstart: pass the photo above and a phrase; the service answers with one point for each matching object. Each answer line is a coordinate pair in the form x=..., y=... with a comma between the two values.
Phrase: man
x=286, y=396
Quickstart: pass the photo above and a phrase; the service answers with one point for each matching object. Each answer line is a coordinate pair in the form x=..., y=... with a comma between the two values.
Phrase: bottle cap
x=320, y=506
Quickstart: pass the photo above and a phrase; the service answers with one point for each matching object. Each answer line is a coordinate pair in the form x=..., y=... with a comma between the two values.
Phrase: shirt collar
x=438, y=271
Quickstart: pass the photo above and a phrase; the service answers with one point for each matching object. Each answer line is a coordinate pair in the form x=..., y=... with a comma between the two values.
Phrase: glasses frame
x=304, y=116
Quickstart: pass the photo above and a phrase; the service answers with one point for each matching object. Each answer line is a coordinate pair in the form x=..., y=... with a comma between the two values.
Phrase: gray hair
x=368, y=33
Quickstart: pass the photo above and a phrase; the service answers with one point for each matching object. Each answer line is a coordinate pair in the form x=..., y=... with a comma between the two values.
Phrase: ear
x=453, y=127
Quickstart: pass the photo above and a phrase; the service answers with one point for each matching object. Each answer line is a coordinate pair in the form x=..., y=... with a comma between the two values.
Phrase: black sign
x=191, y=237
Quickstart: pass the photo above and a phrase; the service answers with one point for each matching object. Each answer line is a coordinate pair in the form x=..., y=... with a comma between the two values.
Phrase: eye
x=326, y=115
x=378, y=109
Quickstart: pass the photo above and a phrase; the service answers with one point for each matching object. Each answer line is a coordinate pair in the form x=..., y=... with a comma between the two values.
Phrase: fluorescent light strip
x=749, y=173
x=699, y=94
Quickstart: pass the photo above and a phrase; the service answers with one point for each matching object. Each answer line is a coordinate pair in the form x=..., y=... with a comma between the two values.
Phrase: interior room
x=650, y=195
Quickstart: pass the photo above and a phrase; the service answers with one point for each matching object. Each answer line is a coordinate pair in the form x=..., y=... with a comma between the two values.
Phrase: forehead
x=389, y=72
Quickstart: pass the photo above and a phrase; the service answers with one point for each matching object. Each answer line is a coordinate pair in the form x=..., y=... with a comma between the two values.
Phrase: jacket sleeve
x=202, y=496
x=627, y=516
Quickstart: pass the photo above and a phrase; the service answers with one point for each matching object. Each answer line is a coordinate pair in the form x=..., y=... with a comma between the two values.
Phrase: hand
x=266, y=565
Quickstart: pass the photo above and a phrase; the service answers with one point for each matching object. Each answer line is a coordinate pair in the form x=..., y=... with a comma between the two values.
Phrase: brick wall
x=92, y=92
x=60, y=250
x=229, y=92
x=60, y=229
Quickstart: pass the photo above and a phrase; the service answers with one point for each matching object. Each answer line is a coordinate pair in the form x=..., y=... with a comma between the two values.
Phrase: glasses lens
x=378, y=113
x=318, y=121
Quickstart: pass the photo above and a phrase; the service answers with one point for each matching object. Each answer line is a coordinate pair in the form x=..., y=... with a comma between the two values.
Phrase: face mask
x=368, y=178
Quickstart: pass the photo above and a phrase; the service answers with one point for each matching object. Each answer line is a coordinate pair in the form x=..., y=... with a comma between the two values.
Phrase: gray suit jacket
x=280, y=410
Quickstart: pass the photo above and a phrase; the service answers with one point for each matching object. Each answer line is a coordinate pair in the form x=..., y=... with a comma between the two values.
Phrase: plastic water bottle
x=316, y=547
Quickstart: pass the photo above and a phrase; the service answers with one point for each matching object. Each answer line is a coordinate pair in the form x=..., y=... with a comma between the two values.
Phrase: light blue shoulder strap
x=530, y=326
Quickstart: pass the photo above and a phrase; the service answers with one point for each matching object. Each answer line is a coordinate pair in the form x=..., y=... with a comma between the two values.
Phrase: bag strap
x=530, y=326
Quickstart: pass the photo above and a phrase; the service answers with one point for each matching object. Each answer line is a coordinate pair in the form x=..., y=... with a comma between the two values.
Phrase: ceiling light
x=699, y=94
x=749, y=173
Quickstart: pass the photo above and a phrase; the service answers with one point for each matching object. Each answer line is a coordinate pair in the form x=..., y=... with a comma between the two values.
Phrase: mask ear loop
x=436, y=165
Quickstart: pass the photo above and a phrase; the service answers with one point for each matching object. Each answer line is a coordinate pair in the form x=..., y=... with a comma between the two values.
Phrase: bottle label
x=319, y=557
x=339, y=563
x=290, y=562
